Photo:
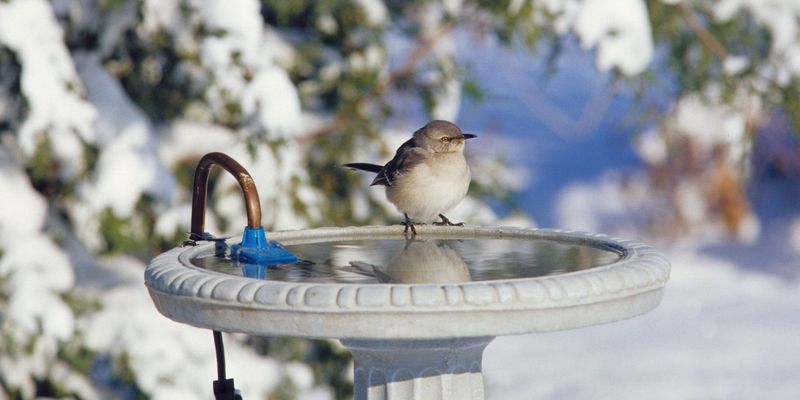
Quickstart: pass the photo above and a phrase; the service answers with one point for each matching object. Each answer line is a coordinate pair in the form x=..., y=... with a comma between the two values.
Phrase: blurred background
x=673, y=122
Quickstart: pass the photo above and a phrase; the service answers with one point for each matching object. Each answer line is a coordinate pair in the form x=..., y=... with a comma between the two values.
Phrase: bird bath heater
x=415, y=312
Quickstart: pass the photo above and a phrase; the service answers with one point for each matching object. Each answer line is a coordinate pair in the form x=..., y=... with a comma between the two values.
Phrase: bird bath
x=416, y=314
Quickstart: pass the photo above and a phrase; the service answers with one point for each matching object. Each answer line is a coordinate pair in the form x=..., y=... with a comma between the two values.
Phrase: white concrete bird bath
x=416, y=315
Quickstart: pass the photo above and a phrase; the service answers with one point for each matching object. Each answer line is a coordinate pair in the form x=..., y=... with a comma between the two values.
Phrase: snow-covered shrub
x=105, y=107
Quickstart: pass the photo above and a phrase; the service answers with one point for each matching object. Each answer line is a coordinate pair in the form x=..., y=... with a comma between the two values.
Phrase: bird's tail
x=364, y=167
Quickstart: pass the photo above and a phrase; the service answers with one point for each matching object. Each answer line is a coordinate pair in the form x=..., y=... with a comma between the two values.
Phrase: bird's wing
x=406, y=157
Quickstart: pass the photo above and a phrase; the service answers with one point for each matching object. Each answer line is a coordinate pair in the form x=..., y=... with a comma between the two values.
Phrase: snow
x=327, y=24
x=439, y=71
x=373, y=58
x=620, y=30
x=375, y=10
x=726, y=327
x=37, y=272
x=161, y=351
x=728, y=324
x=167, y=16
x=794, y=235
x=246, y=64
x=780, y=18
x=269, y=170
x=273, y=98
x=447, y=100
x=488, y=171
x=606, y=205
x=691, y=202
x=25, y=211
x=174, y=220
x=128, y=165
x=652, y=147
x=30, y=259
x=720, y=332
x=179, y=142
x=301, y=375
x=50, y=84
x=241, y=20
x=159, y=14
x=776, y=15
x=33, y=307
x=733, y=65
x=269, y=95
x=695, y=116
x=74, y=100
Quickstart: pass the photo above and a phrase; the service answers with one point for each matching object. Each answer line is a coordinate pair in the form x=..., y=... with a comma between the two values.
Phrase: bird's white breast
x=431, y=187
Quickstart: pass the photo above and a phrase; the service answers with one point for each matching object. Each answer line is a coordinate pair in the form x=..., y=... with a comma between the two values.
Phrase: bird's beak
x=469, y=136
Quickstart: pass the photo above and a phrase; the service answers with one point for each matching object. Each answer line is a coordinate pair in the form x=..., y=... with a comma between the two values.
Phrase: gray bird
x=428, y=174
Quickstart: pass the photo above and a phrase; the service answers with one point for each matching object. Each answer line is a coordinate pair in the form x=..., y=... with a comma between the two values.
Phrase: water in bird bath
x=439, y=260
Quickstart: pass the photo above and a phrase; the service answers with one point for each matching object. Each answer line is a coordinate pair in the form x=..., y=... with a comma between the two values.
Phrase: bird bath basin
x=416, y=314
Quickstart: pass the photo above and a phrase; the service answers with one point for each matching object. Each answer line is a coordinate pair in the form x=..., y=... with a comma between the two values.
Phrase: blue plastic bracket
x=256, y=249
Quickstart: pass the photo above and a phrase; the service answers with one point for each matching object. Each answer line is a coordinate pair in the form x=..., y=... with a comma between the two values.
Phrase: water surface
x=421, y=261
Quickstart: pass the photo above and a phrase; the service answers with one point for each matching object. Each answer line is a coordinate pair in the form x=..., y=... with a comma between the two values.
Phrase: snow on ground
x=720, y=333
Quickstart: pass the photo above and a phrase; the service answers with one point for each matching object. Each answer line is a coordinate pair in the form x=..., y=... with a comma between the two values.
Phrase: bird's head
x=441, y=137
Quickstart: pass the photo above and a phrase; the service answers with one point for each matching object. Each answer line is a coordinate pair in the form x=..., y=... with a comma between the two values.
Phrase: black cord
x=223, y=388
x=220, y=349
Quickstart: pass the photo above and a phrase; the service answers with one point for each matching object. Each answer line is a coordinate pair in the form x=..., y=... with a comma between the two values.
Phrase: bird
x=427, y=176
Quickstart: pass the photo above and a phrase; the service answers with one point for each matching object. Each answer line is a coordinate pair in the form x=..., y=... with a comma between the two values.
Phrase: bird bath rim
x=628, y=287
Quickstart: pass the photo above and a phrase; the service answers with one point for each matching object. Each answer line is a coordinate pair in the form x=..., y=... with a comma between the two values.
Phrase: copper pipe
x=200, y=189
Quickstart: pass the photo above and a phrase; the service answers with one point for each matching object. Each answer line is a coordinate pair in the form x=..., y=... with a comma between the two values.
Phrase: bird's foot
x=409, y=225
x=447, y=222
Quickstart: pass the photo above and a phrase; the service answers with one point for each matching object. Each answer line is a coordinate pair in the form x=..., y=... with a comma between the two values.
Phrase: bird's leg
x=409, y=224
x=447, y=222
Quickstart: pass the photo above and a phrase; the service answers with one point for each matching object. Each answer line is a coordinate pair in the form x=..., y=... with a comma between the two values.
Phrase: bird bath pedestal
x=418, y=317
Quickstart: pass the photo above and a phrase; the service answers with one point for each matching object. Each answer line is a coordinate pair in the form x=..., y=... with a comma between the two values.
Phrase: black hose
x=218, y=346
x=223, y=388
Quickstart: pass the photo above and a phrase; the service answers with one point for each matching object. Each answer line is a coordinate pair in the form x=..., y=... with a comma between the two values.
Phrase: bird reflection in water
x=420, y=261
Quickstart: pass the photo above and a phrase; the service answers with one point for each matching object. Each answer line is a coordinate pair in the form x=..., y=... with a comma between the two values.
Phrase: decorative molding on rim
x=184, y=292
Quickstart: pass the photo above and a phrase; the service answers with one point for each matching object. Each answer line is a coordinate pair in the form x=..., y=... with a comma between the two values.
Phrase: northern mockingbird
x=428, y=174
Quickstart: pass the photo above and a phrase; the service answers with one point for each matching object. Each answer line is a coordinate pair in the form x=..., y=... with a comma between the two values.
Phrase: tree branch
x=702, y=33
x=425, y=45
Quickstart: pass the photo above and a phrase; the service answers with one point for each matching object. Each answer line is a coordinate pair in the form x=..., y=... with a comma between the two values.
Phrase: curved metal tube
x=200, y=189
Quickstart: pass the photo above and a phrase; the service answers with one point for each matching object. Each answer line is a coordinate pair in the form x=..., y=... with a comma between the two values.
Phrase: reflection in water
x=421, y=261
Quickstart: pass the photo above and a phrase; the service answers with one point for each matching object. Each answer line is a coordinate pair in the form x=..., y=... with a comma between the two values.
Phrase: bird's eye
x=445, y=139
